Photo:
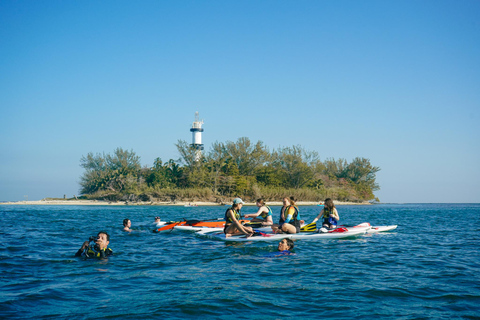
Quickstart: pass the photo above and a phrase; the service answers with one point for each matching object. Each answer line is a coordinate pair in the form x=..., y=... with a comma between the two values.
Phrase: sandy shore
x=177, y=203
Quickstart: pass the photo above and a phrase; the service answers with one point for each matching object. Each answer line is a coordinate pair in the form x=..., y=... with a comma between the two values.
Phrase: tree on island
x=229, y=169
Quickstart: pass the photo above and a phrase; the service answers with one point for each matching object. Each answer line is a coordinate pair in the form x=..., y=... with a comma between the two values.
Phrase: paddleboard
x=278, y=237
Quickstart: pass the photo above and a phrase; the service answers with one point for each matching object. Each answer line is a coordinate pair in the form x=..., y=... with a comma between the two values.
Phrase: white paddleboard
x=277, y=237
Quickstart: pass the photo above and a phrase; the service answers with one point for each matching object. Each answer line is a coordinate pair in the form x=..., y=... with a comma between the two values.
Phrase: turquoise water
x=428, y=268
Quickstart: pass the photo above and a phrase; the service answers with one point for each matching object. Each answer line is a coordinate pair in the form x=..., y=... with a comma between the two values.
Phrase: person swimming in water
x=126, y=225
x=98, y=249
x=285, y=246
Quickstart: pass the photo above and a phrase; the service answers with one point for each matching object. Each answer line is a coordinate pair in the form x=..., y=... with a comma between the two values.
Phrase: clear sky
x=397, y=82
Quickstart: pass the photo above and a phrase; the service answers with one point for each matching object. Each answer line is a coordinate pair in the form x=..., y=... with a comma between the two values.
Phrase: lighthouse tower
x=197, y=136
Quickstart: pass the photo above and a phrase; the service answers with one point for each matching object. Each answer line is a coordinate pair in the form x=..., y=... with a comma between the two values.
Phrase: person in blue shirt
x=263, y=215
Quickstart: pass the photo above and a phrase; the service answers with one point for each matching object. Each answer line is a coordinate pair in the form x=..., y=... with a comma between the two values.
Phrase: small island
x=242, y=168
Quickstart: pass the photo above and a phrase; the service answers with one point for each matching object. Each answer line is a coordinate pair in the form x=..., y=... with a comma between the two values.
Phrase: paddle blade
x=309, y=227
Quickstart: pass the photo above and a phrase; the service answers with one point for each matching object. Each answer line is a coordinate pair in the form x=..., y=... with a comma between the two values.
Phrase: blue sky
x=397, y=82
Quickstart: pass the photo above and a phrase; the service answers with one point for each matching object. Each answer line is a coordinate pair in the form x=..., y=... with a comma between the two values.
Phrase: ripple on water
x=425, y=272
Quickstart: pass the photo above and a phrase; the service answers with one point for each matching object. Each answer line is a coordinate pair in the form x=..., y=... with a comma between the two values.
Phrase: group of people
x=289, y=222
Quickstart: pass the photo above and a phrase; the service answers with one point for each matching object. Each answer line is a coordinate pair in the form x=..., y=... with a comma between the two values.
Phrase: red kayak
x=194, y=223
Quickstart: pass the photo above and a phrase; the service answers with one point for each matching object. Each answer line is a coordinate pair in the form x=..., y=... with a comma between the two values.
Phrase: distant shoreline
x=155, y=203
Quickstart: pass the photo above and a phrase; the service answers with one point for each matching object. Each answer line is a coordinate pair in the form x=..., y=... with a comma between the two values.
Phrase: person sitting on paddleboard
x=263, y=215
x=232, y=220
x=285, y=246
x=126, y=225
x=329, y=214
x=289, y=218
x=97, y=249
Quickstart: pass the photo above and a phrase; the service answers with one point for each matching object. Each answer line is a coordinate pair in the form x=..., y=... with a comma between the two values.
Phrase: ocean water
x=428, y=268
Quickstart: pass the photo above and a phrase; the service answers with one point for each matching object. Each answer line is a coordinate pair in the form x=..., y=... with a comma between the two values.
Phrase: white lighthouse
x=197, y=136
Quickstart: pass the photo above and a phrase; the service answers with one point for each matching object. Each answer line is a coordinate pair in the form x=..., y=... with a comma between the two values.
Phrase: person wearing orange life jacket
x=232, y=220
x=329, y=215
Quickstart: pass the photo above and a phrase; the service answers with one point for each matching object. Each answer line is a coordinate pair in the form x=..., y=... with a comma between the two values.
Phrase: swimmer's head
x=285, y=244
x=103, y=238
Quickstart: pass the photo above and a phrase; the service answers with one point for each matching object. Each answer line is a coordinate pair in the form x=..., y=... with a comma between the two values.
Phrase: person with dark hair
x=329, y=215
x=289, y=217
x=263, y=215
x=285, y=246
x=126, y=225
x=98, y=249
x=232, y=220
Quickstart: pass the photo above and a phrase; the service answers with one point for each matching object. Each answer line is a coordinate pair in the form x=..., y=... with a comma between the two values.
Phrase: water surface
x=428, y=268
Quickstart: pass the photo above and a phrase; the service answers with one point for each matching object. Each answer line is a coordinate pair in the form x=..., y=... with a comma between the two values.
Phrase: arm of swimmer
x=80, y=251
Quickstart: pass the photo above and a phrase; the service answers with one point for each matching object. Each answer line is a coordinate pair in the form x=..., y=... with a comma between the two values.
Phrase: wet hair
x=108, y=236
x=328, y=204
x=261, y=201
x=125, y=221
x=289, y=243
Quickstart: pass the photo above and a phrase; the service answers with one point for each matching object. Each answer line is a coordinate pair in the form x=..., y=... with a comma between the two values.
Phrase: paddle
x=195, y=221
x=311, y=227
x=255, y=224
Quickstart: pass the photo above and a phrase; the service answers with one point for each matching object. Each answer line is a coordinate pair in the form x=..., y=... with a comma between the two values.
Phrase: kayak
x=196, y=228
x=261, y=236
x=169, y=226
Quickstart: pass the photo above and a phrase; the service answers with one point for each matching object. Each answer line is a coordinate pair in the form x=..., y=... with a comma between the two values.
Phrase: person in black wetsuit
x=99, y=249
